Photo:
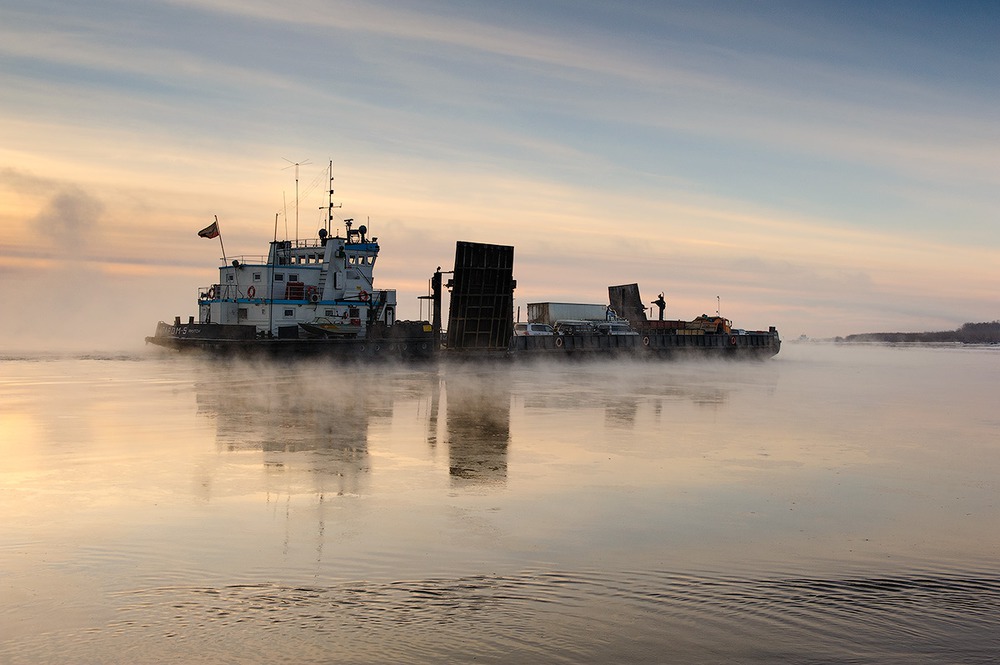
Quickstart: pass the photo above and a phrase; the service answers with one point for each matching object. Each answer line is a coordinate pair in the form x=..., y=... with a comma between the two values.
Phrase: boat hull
x=415, y=341
x=405, y=340
x=651, y=345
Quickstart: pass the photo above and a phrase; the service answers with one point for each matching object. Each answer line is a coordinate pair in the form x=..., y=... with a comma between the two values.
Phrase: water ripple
x=551, y=617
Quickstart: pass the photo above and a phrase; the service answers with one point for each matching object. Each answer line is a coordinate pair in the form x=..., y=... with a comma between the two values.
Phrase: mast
x=330, y=205
x=270, y=290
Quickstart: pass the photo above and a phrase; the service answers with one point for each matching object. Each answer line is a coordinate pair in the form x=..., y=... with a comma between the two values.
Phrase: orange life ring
x=251, y=292
x=364, y=296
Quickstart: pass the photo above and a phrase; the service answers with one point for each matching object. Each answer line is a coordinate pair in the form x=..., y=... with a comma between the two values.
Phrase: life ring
x=559, y=342
x=732, y=340
x=364, y=296
x=211, y=293
x=645, y=341
x=251, y=292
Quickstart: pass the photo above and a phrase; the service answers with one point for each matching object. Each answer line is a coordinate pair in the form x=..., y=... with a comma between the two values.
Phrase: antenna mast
x=330, y=205
x=296, y=165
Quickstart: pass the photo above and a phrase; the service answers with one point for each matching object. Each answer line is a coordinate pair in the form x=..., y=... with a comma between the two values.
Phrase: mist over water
x=832, y=504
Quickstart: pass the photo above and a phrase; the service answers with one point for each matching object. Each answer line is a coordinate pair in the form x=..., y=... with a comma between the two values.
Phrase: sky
x=827, y=168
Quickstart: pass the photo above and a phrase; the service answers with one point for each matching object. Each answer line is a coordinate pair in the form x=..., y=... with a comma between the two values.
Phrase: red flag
x=210, y=231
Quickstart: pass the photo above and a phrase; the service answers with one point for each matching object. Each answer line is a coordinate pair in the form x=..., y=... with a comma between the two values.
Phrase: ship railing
x=225, y=292
x=261, y=259
x=250, y=259
x=306, y=242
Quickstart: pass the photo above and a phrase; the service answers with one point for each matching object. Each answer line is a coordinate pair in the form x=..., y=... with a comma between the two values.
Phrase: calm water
x=829, y=505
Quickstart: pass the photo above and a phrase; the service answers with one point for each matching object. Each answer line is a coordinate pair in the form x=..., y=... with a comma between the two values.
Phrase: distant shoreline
x=969, y=333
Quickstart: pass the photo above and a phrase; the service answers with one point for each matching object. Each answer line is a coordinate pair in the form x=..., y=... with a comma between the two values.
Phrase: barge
x=320, y=296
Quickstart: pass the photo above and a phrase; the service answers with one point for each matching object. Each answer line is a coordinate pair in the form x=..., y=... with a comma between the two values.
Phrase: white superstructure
x=325, y=284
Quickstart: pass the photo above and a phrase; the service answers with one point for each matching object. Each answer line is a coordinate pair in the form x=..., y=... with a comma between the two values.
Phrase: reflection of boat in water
x=320, y=295
x=313, y=434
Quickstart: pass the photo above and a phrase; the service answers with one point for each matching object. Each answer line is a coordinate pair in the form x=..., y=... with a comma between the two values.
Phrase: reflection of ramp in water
x=478, y=429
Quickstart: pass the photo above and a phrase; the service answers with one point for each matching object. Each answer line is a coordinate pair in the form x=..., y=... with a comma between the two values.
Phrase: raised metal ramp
x=627, y=304
x=481, y=317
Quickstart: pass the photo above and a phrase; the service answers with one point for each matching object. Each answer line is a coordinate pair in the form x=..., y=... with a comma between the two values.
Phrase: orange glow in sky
x=827, y=170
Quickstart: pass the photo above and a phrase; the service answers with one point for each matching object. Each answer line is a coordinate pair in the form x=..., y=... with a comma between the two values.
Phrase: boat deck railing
x=227, y=292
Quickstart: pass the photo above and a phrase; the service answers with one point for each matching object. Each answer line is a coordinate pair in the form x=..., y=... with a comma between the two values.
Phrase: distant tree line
x=969, y=333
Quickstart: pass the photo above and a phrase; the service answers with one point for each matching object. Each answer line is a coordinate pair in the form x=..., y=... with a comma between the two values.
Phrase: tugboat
x=305, y=295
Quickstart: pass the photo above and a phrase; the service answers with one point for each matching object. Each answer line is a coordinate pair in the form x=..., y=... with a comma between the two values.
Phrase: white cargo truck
x=551, y=312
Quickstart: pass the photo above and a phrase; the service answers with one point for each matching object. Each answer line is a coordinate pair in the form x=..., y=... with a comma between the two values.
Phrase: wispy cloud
x=783, y=150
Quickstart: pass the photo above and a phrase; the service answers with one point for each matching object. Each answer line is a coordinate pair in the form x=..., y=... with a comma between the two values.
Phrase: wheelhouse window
x=289, y=312
x=256, y=277
x=279, y=277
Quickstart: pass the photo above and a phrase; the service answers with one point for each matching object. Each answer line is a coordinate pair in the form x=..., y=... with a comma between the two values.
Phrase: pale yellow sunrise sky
x=827, y=170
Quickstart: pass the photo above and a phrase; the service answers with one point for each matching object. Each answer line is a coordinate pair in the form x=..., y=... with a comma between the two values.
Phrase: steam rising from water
x=832, y=504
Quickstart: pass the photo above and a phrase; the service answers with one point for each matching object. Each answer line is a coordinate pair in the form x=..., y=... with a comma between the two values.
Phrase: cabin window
x=229, y=277
x=289, y=312
x=293, y=278
x=279, y=277
x=354, y=313
x=256, y=277
x=328, y=312
x=241, y=314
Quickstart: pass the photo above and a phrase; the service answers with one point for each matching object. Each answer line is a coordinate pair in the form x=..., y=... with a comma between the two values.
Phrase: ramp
x=482, y=298
x=627, y=304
